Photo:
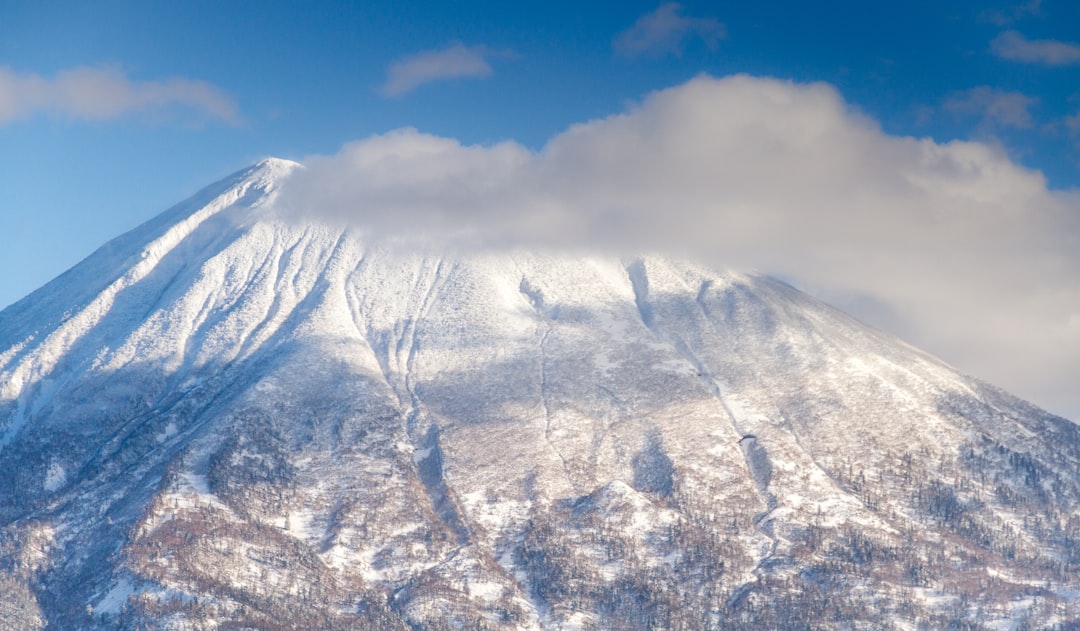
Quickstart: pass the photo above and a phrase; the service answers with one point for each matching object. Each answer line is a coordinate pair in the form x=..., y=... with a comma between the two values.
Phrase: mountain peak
x=281, y=163
x=278, y=167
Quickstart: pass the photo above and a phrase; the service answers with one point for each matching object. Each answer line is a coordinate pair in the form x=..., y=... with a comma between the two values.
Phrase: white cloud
x=105, y=93
x=951, y=245
x=1073, y=123
x=995, y=107
x=664, y=31
x=1004, y=17
x=1051, y=52
x=455, y=62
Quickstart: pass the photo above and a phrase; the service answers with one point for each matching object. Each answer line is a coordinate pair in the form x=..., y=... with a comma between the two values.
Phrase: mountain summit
x=232, y=418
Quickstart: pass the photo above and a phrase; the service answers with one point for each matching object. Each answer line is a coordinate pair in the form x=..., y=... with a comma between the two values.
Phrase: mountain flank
x=234, y=417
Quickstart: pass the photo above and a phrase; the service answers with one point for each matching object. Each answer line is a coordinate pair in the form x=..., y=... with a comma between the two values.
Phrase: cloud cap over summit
x=954, y=244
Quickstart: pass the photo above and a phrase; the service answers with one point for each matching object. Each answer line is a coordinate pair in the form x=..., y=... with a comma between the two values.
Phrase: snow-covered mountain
x=232, y=418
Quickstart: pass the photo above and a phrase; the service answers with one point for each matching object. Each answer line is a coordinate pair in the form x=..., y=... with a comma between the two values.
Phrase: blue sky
x=112, y=111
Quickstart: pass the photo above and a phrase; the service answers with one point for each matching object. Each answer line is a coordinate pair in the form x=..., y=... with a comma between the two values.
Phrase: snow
x=485, y=590
x=576, y=621
x=421, y=455
x=112, y=602
x=302, y=523
x=547, y=376
x=169, y=431
x=55, y=477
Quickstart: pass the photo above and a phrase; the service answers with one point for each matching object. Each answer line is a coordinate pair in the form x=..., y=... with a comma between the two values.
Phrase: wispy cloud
x=995, y=107
x=957, y=244
x=1006, y=16
x=1013, y=46
x=105, y=93
x=665, y=31
x=456, y=62
x=1072, y=123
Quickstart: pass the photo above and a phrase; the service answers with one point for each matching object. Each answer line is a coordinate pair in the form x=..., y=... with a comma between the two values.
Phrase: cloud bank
x=665, y=31
x=951, y=245
x=104, y=93
x=456, y=62
x=1049, y=52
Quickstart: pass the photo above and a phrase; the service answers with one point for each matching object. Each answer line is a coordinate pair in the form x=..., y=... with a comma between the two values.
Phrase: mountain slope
x=232, y=418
